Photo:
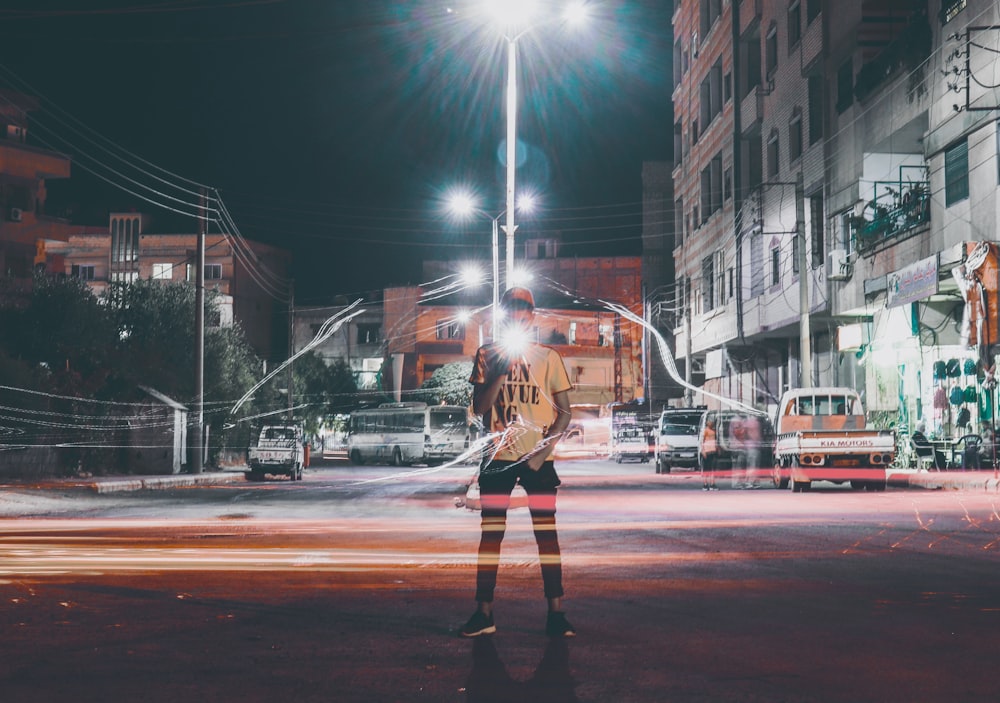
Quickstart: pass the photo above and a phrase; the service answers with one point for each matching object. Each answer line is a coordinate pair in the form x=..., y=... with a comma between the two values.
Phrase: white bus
x=408, y=433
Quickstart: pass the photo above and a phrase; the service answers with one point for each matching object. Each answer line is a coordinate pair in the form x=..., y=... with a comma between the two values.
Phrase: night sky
x=337, y=127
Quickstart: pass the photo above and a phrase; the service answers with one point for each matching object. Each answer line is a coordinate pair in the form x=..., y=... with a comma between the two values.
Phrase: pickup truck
x=280, y=449
x=630, y=442
x=820, y=435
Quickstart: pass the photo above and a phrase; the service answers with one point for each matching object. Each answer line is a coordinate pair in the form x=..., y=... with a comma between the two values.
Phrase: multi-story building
x=251, y=278
x=836, y=182
x=396, y=344
x=24, y=170
x=357, y=337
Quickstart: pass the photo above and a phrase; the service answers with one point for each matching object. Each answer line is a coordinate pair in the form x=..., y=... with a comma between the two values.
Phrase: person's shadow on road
x=489, y=681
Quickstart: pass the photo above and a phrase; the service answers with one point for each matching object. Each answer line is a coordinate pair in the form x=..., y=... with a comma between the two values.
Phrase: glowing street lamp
x=518, y=17
x=463, y=205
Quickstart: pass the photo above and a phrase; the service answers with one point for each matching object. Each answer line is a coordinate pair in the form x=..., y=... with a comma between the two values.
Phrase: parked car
x=677, y=439
x=735, y=439
x=630, y=442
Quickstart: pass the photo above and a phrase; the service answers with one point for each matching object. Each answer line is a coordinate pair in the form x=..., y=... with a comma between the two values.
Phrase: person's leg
x=495, y=485
x=542, y=506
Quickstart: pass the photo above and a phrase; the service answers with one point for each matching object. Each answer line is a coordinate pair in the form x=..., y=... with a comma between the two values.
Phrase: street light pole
x=510, y=227
x=496, y=278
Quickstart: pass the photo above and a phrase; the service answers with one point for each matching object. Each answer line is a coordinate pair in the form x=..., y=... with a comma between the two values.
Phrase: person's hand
x=535, y=461
x=498, y=364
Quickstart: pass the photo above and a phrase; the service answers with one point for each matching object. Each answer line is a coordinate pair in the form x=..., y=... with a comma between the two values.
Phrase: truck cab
x=677, y=439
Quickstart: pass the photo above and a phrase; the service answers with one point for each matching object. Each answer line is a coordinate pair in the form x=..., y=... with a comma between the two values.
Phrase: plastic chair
x=965, y=452
x=926, y=456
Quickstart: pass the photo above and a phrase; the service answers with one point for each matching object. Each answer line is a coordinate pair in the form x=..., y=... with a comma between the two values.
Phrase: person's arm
x=547, y=444
x=484, y=394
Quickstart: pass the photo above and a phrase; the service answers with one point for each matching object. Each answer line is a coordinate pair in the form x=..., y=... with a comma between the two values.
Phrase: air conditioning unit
x=838, y=265
x=16, y=214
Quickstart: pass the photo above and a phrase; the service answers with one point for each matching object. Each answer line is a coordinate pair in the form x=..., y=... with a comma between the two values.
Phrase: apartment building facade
x=250, y=277
x=395, y=344
x=24, y=171
x=863, y=151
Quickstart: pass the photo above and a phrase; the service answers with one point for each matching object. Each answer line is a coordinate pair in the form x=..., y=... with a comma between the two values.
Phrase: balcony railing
x=901, y=208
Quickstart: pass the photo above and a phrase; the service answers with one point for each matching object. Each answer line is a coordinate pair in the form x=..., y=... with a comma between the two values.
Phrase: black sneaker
x=479, y=624
x=556, y=625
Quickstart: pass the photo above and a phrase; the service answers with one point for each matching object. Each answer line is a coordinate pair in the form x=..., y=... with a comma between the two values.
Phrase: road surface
x=349, y=586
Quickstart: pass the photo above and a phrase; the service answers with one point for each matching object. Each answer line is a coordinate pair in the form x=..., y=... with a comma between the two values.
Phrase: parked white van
x=677, y=439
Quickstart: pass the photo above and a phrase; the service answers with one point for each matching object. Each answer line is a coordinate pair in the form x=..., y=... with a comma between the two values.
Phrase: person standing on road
x=752, y=443
x=521, y=389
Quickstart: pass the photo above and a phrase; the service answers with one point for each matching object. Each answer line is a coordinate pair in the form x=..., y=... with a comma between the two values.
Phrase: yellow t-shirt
x=524, y=408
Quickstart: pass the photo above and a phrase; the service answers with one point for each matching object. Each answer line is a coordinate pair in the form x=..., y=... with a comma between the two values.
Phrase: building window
x=711, y=95
x=847, y=231
x=794, y=24
x=727, y=183
x=795, y=135
x=711, y=187
x=772, y=155
x=812, y=10
x=450, y=329
x=845, y=85
x=163, y=271
x=956, y=173
x=85, y=272
x=750, y=69
x=572, y=333
x=707, y=283
x=729, y=272
x=368, y=334
x=795, y=255
x=605, y=336
x=775, y=266
x=720, y=280
x=710, y=12
x=213, y=272
x=771, y=52
x=815, y=109
x=678, y=65
x=727, y=87
x=678, y=144
x=816, y=219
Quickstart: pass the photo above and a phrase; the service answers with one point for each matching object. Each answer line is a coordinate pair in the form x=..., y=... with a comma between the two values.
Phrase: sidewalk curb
x=159, y=483
x=958, y=481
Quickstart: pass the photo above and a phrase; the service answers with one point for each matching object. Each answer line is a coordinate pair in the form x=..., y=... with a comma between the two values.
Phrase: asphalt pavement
x=582, y=472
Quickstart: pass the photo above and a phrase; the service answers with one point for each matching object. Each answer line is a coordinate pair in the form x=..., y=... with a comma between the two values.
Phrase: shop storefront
x=929, y=352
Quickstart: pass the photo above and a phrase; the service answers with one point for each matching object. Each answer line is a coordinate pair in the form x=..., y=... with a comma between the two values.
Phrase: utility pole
x=199, y=341
x=291, y=343
x=805, y=334
x=688, y=350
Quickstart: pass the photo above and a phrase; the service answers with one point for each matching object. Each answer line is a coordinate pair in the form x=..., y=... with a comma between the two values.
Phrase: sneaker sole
x=485, y=631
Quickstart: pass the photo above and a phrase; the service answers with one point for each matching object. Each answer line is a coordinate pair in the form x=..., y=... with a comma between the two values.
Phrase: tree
x=448, y=384
x=328, y=389
x=62, y=327
x=156, y=324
